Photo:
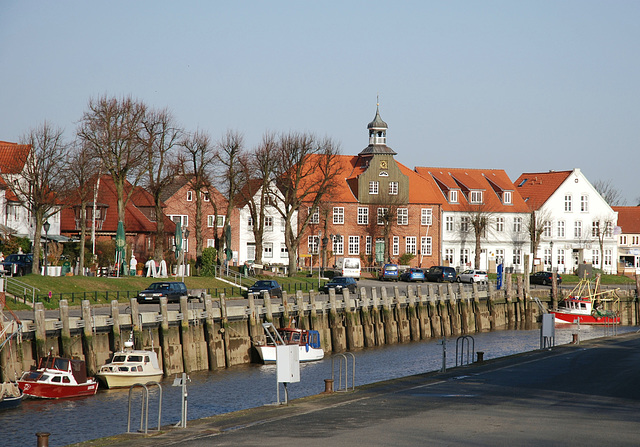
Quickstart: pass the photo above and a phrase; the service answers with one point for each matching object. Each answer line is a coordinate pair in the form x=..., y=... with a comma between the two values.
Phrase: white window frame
x=584, y=203
x=475, y=197
x=313, y=244
x=267, y=250
x=546, y=228
x=396, y=245
x=411, y=245
x=354, y=245
x=449, y=255
x=568, y=203
x=380, y=214
x=393, y=188
x=368, y=245
x=506, y=197
x=453, y=196
x=426, y=216
x=338, y=215
x=210, y=220
x=449, y=223
x=403, y=216
x=577, y=229
x=465, y=222
x=190, y=196
x=363, y=216
x=374, y=186
x=517, y=224
x=499, y=224
x=268, y=223
x=338, y=245
x=426, y=245
x=561, y=229
x=184, y=219
x=315, y=216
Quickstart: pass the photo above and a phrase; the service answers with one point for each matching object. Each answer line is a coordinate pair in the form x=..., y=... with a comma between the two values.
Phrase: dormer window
x=475, y=196
x=506, y=197
x=453, y=196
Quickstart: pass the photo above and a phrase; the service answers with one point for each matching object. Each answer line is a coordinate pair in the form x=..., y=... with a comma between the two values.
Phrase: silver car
x=472, y=276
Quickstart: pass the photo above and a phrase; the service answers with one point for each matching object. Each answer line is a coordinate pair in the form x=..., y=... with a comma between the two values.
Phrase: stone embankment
x=222, y=335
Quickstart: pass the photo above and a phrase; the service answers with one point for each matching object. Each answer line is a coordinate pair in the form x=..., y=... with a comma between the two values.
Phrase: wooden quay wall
x=223, y=333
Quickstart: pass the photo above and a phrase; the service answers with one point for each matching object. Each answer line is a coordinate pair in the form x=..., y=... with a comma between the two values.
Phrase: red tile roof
x=628, y=218
x=13, y=156
x=492, y=183
x=536, y=187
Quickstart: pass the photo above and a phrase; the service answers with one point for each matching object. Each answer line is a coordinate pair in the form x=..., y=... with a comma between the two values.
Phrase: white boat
x=129, y=367
x=308, y=342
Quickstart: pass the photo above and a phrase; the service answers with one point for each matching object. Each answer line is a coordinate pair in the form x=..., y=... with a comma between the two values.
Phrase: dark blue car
x=412, y=275
x=389, y=272
x=269, y=285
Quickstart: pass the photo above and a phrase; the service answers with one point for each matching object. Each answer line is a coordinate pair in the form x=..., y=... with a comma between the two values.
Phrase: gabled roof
x=180, y=182
x=13, y=156
x=492, y=182
x=536, y=187
x=628, y=218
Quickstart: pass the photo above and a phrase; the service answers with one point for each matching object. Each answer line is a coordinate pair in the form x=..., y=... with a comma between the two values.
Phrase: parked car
x=440, y=273
x=412, y=274
x=18, y=264
x=472, y=276
x=544, y=278
x=171, y=290
x=389, y=272
x=339, y=283
x=269, y=285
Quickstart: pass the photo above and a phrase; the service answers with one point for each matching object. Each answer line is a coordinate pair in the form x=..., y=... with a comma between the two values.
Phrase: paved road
x=585, y=394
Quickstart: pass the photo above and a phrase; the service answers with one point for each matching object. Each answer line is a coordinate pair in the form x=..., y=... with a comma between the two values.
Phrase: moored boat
x=308, y=342
x=56, y=378
x=586, y=305
x=129, y=367
x=10, y=395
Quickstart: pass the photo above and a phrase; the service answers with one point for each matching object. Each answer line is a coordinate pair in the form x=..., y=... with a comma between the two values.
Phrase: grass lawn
x=102, y=290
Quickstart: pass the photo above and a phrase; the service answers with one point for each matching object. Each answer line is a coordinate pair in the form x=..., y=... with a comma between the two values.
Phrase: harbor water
x=210, y=393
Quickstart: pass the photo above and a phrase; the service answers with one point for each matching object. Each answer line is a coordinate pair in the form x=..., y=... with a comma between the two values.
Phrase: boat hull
x=10, y=402
x=57, y=391
x=570, y=318
x=306, y=353
x=115, y=380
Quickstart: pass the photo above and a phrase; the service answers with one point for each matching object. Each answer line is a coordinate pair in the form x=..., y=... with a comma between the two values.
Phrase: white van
x=348, y=267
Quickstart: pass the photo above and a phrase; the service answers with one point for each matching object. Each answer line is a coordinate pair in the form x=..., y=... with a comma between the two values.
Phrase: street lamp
x=184, y=249
x=551, y=248
x=46, y=227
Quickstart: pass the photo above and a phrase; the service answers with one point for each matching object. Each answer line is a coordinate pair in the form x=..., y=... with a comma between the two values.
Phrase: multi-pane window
x=568, y=203
x=506, y=197
x=183, y=219
x=635, y=240
x=268, y=250
x=403, y=216
x=500, y=224
x=411, y=245
x=284, y=253
x=595, y=229
x=517, y=224
x=373, y=187
x=312, y=243
x=211, y=243
x=363, y=216
x=426, y=216
x=546, y=228
x=547, y=257
x=251, y=252
x=283, y=224
x=368, y=242
x=426, y=245
x=607, y=258
x=338, y=215
x=396, y=245
x=475, y=196
x=448, y=223
x=623, y=239
x=464, y=256
x=250, y=222
x=393, y=188
x=211, y=218
x=268, y=223
x=449, y=254
x=499, y=256
x=609, y=229
x=354, y=245
x=338, y=245
x=453, y=196
x=584, y=203
x=561, y=256
x=595, y=258
x=382, y=215
x=464, y=223
x=517, y=256
x=577, y=229
x=561, y=227
x=315, y=216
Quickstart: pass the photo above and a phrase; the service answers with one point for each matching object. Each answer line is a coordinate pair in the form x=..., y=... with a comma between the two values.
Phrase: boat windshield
x=55, y=363
x=135, y=358
x=33, y=376
x=119, y=358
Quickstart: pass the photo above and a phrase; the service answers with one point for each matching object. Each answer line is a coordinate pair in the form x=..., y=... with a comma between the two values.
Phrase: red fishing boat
x=586, y=304
x=56, y=378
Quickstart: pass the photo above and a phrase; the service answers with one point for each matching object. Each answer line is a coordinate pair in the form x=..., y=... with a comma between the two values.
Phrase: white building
x=578, y=223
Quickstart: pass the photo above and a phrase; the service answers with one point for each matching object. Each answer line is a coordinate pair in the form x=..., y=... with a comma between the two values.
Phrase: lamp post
x=551, y=260
x=184, y=249
x=46, y=227
x=319, y=256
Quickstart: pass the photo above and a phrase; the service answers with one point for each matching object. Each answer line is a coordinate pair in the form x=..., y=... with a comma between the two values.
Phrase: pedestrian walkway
x=585, y=394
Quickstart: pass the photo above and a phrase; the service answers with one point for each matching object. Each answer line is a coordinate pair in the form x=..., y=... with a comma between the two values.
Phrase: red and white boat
x=585, y=305
x=307, y=340
x=56, y=378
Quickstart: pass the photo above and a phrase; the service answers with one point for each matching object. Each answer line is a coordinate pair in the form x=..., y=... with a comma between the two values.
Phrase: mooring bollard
x=328, y=385
x=576, y=339
x=43, y=439
x=480, y=358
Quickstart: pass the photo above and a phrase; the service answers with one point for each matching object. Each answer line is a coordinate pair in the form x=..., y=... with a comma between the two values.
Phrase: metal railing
x=20, y=289
x=465, y=347
x=144, y=407
x=344, y=360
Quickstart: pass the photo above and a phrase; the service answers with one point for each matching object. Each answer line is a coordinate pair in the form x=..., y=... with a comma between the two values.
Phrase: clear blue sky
x=522, y=86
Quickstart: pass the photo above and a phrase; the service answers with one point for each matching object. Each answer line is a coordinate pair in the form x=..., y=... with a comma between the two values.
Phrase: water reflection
x=247, y=386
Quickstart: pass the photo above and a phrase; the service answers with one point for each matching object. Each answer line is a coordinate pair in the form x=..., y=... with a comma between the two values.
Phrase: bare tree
x=306, y=171
x=110, y=128
x=40, y=181
x=196, y=162
x=477, y=220
x=609, y=193
x=602, y=227
x=82, y=172
x=535, y=227
x=257, y=182
x=229, y=166
x=159, y=135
